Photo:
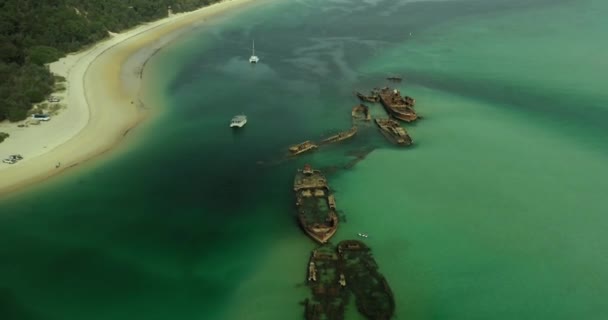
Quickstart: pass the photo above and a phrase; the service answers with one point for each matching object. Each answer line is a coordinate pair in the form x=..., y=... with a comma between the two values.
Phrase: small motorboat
x=238, y=121
x=362, y=235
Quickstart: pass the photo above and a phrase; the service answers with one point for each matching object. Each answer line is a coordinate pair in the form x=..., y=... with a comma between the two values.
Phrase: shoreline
x=98, y=117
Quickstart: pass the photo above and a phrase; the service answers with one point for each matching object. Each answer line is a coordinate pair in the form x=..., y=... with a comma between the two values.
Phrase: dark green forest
x=36, y=32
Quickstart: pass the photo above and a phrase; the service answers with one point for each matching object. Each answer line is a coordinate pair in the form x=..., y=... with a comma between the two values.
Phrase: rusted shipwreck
x=373, y=296
x=316, y=206
x=399, y=107
x=341, y=136
x=299, y=148
x=373, y=97
x=394, y=132
x=361, y=112
x=327, y=283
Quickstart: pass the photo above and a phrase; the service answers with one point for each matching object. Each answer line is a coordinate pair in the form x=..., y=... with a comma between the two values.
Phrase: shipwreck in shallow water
x=316, y=206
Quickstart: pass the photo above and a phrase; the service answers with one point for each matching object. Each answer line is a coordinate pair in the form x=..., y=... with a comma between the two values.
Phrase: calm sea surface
x=498, y=212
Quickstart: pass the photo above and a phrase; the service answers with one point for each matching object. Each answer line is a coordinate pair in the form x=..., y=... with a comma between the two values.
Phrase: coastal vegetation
x=34, y=33
x=3, y=135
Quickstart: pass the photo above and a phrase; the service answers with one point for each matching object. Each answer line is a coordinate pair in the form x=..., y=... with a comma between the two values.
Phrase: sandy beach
x=102, y=98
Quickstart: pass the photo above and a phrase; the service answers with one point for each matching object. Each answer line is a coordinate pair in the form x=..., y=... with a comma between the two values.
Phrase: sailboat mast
x=253, y=58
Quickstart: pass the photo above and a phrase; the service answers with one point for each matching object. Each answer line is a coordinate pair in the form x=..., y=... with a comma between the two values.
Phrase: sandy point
x=102, y=96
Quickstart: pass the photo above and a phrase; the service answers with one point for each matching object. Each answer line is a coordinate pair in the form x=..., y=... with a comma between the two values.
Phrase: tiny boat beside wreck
x=361, y=112
x=393, y=131
x=315, y=204
x=401, y=108
x=302, y=147
x=341, y=136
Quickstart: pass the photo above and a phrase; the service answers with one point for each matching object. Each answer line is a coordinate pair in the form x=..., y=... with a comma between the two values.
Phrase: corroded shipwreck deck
x=327, y=284
x=373, y=296
x=332, y=275
x=361, y=112
x=371, y=98
x=341, y=136
x=393, y=131
x=296, y=149
x=315, y=204
x=399, y=107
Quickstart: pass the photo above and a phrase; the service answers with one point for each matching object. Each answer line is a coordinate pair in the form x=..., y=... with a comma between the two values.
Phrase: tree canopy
x=34, y=33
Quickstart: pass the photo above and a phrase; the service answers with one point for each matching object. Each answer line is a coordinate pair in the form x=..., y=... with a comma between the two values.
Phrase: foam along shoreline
x=102, y=101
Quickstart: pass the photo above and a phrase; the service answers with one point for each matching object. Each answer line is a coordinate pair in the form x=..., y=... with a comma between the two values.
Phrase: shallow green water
x=498, y=212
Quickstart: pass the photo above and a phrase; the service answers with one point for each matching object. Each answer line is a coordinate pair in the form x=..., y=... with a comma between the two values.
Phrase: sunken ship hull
x=392, y=131
x=371, y=98
x=319, y=233
x=373, y=296
x=399, y=107
x=341, y=136
x=327, y=283
x=361, y=112
x=302, y=147
x=316, y=206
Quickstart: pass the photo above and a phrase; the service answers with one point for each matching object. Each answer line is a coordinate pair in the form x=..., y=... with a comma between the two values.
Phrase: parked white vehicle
x=41, y=117
x=13, y=158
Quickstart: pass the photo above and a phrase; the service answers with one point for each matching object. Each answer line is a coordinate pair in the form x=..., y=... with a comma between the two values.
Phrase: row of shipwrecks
x=390, y=128
x=398, y=107
x=333, y=274
x=336, y=274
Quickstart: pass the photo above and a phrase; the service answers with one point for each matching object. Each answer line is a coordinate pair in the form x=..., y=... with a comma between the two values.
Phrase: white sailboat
x=253, y=58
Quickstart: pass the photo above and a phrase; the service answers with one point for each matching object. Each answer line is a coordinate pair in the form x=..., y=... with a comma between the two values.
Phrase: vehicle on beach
x=53, y=99
x=238, y=121
x=12, y=159
x=41, y=117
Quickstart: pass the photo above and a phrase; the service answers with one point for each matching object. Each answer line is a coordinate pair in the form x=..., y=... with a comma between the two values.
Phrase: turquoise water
x=497, y=212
